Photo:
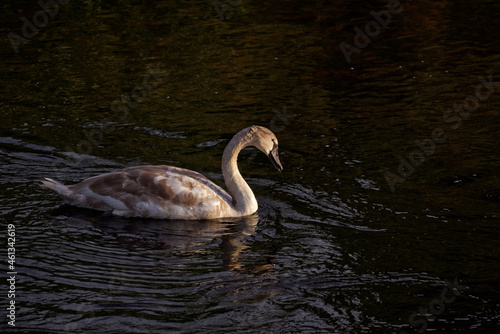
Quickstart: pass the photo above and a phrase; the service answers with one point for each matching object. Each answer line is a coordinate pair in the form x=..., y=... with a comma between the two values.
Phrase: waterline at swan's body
x=168, y=192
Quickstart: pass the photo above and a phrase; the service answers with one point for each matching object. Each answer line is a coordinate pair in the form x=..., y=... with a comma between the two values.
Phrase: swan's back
x=150, y=191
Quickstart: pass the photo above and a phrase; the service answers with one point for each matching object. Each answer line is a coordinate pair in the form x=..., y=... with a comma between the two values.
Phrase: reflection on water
x=146, y=260
x=332, y=248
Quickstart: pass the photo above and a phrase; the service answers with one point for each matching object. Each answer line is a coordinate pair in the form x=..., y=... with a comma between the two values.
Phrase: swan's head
x=265, y=140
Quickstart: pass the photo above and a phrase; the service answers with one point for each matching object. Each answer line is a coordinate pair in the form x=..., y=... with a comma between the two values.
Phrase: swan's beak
x=275, y=159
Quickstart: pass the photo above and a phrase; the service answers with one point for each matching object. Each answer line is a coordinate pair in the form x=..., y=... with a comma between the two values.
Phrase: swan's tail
x=71, y=197
x=58, y=187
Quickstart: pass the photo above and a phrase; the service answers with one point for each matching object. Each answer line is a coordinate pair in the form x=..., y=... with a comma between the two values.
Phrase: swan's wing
x=150, y=188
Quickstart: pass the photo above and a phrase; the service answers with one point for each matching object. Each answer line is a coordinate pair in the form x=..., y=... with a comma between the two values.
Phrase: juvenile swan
x=167, y=192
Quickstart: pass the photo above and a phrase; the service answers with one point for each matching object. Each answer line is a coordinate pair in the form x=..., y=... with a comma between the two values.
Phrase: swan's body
x=168, y=192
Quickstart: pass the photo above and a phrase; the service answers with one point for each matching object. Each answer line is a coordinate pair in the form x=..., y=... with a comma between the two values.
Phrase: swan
x=167, y=192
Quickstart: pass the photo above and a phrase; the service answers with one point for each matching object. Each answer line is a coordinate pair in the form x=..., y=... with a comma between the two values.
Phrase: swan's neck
x=244, y=201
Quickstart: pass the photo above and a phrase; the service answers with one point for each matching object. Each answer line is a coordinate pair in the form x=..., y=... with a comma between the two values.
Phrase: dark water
x=385, y=218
